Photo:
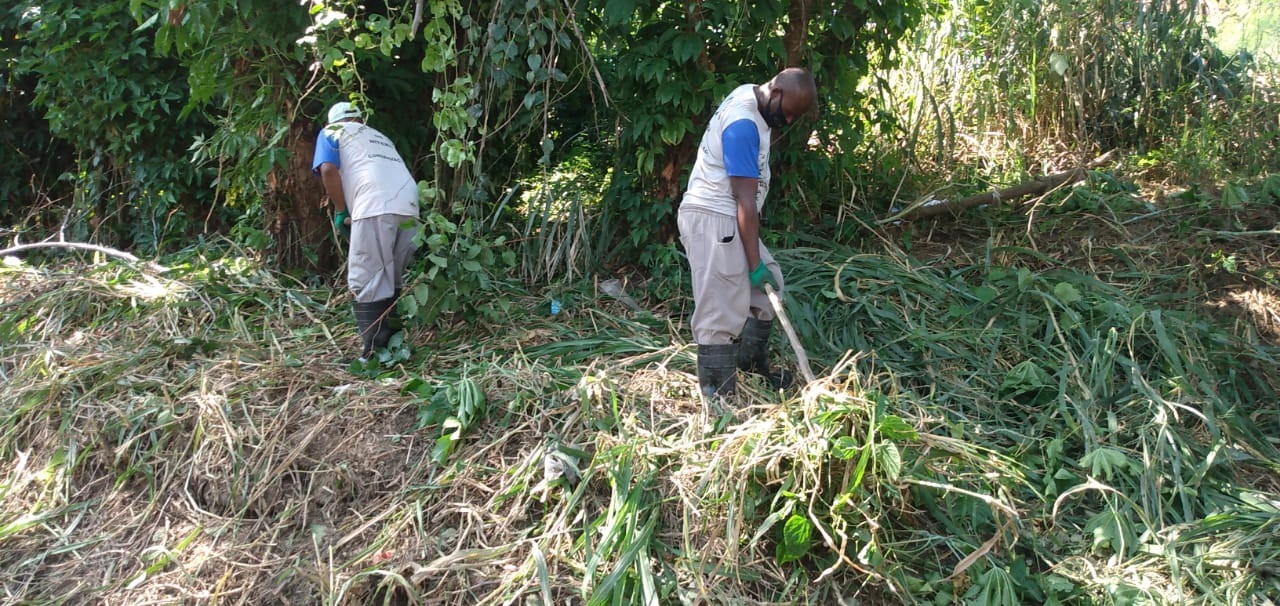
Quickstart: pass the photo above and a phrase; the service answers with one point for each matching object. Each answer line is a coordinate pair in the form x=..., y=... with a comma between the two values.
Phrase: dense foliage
x=491, y=100
x=483, y=95
x=106, y=94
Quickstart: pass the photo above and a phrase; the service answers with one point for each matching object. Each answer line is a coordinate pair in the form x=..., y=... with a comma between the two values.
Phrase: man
x=720, y=229
x=376, y=204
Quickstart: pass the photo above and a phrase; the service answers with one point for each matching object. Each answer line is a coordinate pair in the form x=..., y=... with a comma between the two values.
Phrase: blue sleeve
x=326, y=151
x=741, y=144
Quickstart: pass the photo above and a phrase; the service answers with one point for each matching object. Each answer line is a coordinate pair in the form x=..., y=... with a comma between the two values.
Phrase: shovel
x=802, y=357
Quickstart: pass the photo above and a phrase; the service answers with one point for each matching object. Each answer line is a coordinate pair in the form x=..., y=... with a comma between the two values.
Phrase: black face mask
x=775, y=118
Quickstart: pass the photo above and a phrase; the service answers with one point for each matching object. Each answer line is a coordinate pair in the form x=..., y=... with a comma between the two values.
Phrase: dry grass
x=171, y=449
x=195, y=439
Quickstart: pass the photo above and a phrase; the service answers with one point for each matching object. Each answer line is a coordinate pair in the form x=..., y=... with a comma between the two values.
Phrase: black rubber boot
x=753, y=353
x=370, y=325
x=717, y=372
x=387, y=312
x=394, y=316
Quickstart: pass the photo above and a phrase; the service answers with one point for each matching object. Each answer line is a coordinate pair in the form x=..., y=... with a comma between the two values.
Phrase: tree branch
x=1035, y=186
x=417, y=20
x=1260, y=232
x=119, y=254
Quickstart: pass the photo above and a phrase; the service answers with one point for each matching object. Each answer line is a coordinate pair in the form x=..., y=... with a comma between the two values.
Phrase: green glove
x=761, y=276
x=340, y=221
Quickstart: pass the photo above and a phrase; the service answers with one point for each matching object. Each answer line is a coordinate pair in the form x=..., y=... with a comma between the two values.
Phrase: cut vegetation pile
x=1002, y=424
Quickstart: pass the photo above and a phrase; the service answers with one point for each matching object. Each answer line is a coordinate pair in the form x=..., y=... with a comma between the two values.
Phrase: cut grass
x=1003, y=429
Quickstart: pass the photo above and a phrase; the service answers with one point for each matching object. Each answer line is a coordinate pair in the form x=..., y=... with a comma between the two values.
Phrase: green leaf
x=845, y=448
x=986, y=294
x=148, y=23
x=533, y=98
x=796, y=538
x=618, y=11
x=450, y=435
x=409, y=305
x=889, y=460
x=686, y=47
x=1058, y=62
x=1234, y=196
x=1107, y=461
x=442, y=449
x=1053, y=452
x=672, y=133
x=894, y=427
x=547, y=146
x=1066, y=293
x=1024, y=279
x=1023, y=378
x=1056, y=583
x=1112, y=532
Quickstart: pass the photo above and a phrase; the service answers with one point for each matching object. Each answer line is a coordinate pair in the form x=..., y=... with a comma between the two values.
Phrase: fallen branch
x=119, y=254
x=1034, y=187
x=1260, y=232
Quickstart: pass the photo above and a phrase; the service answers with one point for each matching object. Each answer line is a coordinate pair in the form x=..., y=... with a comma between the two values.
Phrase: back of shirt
x=709, y=187
x=375, y=180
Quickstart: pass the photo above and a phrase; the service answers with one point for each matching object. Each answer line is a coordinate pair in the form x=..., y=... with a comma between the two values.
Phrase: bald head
x=787, y=96
x=796, y=82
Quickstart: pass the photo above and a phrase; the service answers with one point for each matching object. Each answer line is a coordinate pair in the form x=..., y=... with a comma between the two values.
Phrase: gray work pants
x=381, y=247
x=723, y=297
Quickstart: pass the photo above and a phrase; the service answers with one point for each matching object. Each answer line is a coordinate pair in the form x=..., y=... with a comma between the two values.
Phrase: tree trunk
x=797, y=31
x=292, y=205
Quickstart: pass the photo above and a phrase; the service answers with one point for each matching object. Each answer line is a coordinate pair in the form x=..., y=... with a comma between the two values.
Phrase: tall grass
x=557, y=219
x=1006, y=88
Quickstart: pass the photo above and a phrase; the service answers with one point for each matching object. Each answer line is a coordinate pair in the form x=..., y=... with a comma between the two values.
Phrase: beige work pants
x=381, y=248
x=723, y=297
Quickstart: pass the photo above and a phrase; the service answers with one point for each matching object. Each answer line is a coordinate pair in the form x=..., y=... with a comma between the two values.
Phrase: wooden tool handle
x=776, y=301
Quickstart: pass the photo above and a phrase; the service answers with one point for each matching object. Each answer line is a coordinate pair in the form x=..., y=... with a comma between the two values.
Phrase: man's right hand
x=761, y=276
x=342, y=221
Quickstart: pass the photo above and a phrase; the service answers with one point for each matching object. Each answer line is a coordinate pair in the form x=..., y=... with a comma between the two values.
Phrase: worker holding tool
x=375, y=200
x=719, y=225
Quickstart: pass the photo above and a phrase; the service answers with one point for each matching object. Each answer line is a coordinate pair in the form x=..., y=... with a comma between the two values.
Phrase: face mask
x=775, y=118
